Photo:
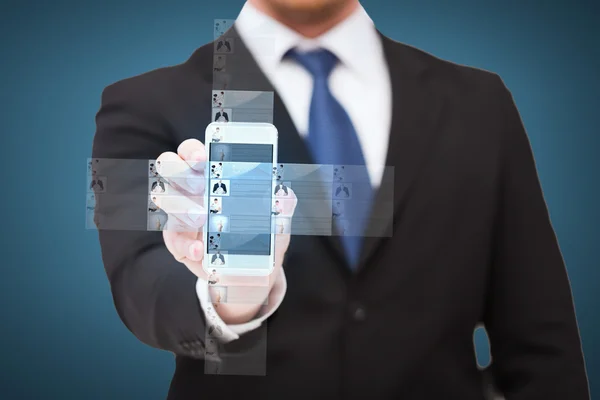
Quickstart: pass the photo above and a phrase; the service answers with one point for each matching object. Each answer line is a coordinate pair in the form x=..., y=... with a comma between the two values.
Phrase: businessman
x=342, y=191
x=219, y=64
x=280, y=189
x=276, y=209
x=96, y=184
x=337, y=209
x=212, y=278
x=217, y=258
x=225, y=43
x=215, y=207
x=216, y=136
x=219, y=188
x=352, y=317
x=221, y=116
x=158, y=186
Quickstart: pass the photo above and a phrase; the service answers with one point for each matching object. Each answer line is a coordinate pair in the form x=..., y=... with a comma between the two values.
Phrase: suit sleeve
x=154, y=295
x=530, y=316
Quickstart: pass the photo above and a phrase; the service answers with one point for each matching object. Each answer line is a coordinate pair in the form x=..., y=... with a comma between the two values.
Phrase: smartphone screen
x=238, y=197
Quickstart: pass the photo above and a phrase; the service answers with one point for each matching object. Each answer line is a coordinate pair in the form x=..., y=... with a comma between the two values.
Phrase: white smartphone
x=238, y=235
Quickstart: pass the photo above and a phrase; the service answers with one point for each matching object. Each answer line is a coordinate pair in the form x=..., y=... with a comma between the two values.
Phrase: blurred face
x=305, y=11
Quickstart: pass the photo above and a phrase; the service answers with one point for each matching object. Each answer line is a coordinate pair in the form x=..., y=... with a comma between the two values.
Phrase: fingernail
x=197, y=156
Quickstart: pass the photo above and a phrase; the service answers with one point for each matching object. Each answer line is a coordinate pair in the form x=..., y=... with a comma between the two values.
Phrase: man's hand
x=184, y=172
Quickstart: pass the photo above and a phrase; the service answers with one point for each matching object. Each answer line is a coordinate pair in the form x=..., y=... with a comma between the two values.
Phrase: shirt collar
x=354, y=41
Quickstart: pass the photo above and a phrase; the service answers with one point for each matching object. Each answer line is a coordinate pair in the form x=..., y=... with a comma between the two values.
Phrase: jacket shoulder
x=144, y=84
x=163, y=83
x=447, y=75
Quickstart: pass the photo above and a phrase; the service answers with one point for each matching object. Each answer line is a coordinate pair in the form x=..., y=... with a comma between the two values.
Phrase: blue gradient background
x=61, y=337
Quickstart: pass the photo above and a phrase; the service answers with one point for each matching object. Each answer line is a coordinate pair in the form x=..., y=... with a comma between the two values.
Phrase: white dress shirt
x=360, y=82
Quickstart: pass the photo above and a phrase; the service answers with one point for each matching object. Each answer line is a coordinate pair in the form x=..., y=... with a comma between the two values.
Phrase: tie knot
x=319, y=63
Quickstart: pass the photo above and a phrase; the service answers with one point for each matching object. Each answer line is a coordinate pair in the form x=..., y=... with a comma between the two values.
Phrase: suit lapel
x=416, y=111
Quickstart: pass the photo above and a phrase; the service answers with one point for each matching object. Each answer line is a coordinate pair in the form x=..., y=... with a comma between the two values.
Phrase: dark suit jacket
x=97, y=182
x=155, y=184
x=219, y=256
x=342, y=189
x=222, y=43
x=472, y=243
x=280, y=187
x=222, y=185
x=223, y=114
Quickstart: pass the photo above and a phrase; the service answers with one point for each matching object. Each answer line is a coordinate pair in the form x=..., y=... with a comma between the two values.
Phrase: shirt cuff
x=233, y=332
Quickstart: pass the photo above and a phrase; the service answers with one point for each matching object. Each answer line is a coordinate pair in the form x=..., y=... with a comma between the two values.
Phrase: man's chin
x=305, y=11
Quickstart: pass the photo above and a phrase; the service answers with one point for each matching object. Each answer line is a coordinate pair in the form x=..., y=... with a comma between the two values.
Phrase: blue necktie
x=332, y=139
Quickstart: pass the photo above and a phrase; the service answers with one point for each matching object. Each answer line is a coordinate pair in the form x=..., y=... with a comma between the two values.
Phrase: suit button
x=358, y=312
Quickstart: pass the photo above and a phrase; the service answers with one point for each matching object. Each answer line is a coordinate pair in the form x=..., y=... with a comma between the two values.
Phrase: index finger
x=192, y=151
